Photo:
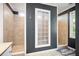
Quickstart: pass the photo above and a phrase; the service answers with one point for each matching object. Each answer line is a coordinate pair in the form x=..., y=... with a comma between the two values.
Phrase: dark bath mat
x=65, y=51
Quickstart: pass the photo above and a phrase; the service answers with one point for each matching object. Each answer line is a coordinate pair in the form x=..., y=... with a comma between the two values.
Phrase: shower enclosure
x=13, y=29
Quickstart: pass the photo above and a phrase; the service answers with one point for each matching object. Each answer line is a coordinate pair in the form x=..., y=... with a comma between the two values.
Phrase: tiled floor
x=50, y=52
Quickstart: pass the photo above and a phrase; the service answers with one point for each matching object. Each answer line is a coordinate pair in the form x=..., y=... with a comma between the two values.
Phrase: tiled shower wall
x=8, y=24
x=63, y=29
x=62, y=33
x=19, y=30
x=13, y=27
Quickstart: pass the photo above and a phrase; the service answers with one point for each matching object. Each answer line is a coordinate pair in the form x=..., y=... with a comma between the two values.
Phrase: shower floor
x=17, y=48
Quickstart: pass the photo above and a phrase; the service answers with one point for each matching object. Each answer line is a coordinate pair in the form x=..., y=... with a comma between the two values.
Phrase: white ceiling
x=61, y=6
x=20, y=7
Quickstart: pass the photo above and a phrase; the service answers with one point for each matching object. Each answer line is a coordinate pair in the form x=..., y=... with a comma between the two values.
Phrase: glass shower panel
x=42, y=22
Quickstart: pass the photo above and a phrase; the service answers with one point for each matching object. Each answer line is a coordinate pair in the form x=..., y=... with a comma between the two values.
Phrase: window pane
x=72, y=24
x=42, y=26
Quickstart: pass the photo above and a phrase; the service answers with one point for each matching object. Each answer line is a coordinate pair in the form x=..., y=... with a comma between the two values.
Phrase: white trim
x=57, y=28
x=25, y=47
x=36, y=29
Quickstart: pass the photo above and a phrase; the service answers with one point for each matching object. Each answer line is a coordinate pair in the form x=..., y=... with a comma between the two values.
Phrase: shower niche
x=42, y=28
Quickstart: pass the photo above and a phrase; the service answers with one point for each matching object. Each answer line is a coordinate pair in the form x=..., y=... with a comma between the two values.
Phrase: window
x=72, y=24
x=42, y=28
